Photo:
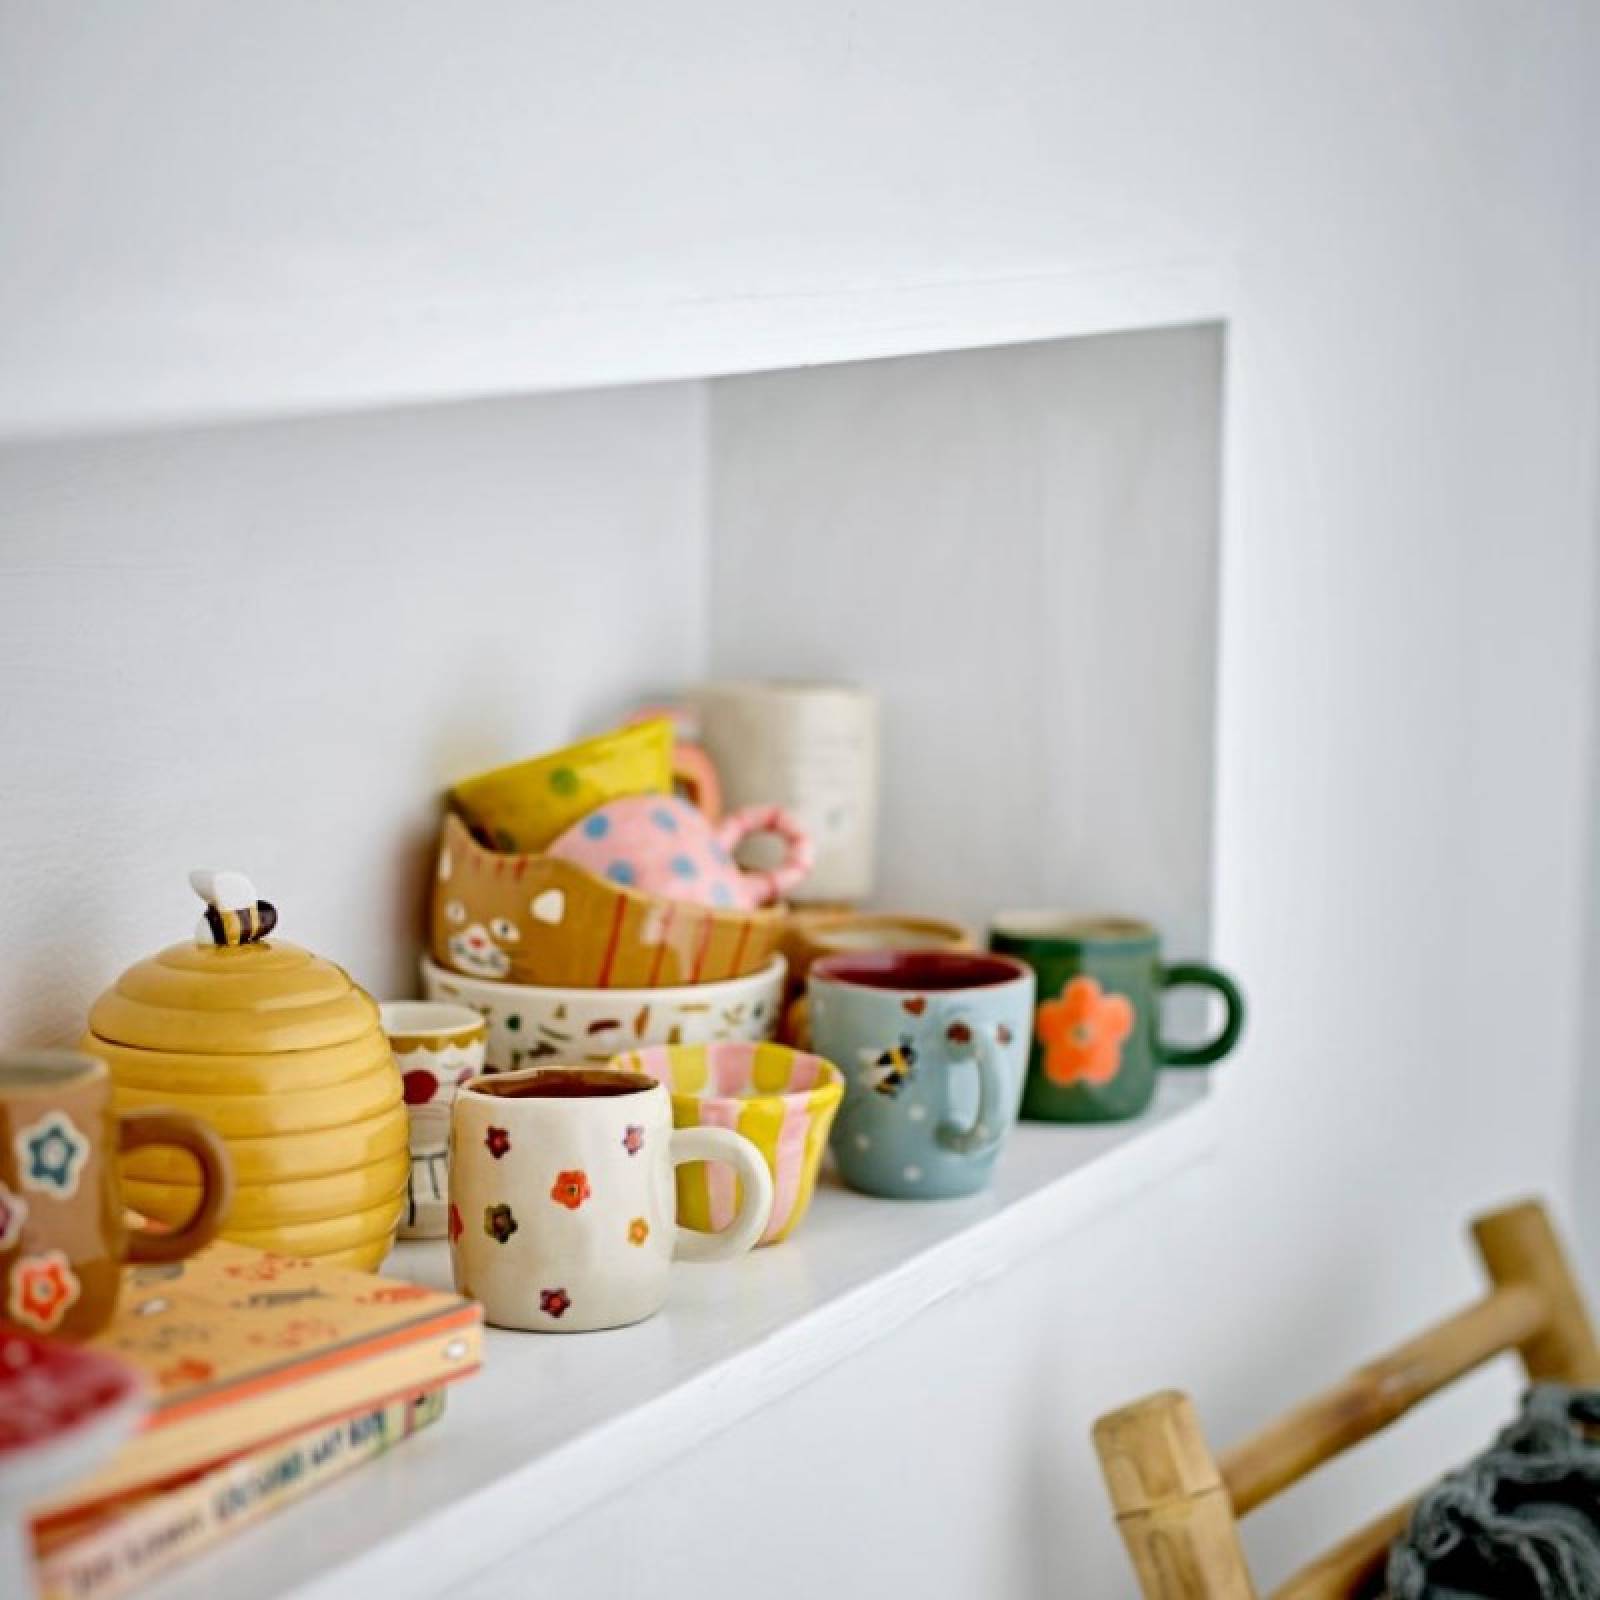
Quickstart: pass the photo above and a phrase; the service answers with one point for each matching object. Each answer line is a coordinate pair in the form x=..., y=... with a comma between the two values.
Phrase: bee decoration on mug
x=889, y=1070
x=234, y=913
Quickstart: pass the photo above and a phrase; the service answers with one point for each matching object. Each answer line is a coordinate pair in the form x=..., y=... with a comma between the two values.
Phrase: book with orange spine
x=243, y=1348
x=99, y=1555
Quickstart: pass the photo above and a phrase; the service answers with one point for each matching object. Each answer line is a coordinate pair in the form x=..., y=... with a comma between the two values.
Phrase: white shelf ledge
x=163, y=365
x=555, y=1424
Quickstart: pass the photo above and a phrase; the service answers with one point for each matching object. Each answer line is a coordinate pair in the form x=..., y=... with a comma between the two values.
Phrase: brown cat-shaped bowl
x=538, y=920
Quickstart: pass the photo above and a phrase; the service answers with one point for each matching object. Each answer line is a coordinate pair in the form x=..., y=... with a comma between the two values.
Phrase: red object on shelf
x=63, y=1410
x=48, y=1388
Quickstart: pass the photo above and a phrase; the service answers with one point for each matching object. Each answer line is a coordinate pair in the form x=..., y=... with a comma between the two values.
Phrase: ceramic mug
x=814, y=934
x=530, y=1023
x=811, y=748
x=783, y=1101
x=63, y=1239
x=563, y=1199
x=934, y=1046
x=1097, y=1034
x=661, y=845
x=436, y=1046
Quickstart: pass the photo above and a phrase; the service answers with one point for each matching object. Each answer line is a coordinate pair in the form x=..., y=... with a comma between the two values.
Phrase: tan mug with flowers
x=63, y=1239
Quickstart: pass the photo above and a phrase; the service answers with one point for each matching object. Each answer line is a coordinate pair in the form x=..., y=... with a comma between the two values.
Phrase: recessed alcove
x=1018, y=547
x=276, y=644
x=273, y=644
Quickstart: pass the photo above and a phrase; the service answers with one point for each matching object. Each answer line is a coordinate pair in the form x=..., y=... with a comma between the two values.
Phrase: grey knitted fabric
x=1522, y=1522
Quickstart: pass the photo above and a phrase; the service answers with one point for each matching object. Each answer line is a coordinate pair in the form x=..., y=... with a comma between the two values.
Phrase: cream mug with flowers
x=563, y=1196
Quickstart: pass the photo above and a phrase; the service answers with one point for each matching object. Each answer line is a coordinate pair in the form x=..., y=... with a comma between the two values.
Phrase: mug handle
x=1202, y=1055
x=799, y=854
x=156, y=1126
x=987, y=1130
x=695, y=777
x=755, y=1184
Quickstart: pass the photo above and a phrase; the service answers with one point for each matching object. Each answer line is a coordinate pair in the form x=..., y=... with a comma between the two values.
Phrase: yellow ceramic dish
x=525, y=805
x=349, y=1232
x=258, y=1116
x=279, y=1074
x=365, y=1258
x=283, y=1159
x=261, y=1205
x=284, y=1056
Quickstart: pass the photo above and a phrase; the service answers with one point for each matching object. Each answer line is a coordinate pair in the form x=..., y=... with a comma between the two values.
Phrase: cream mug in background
x=811, y=748
x=436, y=1046
x=563, y=1196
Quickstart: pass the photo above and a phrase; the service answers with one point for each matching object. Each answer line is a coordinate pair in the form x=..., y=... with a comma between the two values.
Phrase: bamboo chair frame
x=1178, y=1505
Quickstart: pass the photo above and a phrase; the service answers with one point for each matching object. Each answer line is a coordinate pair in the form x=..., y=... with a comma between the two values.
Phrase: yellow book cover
x=242, y=1347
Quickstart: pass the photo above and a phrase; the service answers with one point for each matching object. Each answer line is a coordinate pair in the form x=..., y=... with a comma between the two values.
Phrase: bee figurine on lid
x=285, y=1057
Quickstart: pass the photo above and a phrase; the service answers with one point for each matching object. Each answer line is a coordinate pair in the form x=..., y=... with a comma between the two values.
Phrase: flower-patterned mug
x=563, y=1196
x=1097, y=1033
x=436, y=1046
x=63, y=1239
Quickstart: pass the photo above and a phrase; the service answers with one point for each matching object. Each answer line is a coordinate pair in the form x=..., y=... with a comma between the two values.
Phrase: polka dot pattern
x=662, y=845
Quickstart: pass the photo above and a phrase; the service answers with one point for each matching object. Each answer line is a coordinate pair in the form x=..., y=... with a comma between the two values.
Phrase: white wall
x=1407, y=592
x=1018, y=549
x=274, y=647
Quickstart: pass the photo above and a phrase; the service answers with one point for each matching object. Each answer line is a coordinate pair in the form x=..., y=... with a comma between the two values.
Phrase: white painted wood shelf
x=554, y=1424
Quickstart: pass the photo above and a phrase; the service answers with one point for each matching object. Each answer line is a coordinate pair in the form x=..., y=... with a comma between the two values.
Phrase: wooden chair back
x=1178, y=1505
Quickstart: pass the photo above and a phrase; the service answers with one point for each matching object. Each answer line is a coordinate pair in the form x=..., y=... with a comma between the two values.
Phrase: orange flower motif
x=42, y=1288
x=571, y=1189
x=1083, y=1032
x=185, y=1370
x=638, y=1231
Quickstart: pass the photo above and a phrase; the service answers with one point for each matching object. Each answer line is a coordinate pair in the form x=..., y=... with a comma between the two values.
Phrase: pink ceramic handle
x=774, y=883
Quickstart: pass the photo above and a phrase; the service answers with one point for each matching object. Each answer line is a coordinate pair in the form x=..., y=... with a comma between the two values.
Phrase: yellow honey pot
x=284, y=1056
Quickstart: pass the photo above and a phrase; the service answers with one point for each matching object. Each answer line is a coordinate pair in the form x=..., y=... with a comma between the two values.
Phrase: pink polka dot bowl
x=659, y=844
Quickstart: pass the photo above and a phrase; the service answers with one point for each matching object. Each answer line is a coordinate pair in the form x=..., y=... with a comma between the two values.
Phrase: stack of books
x=272, y=1376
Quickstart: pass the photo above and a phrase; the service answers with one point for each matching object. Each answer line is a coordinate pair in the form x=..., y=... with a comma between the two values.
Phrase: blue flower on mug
x=50, y=1155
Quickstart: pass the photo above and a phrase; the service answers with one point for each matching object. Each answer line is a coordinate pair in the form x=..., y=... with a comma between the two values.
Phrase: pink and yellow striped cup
x=783, y=1101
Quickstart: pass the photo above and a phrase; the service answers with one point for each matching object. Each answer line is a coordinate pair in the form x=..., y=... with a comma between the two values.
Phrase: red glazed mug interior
x=930, y=971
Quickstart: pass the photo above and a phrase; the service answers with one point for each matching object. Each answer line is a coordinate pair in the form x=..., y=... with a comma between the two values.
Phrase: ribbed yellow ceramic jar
x=284, y=1056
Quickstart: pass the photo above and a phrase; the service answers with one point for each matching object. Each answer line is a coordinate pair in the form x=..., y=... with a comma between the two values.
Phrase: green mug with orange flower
x=1097, y=1039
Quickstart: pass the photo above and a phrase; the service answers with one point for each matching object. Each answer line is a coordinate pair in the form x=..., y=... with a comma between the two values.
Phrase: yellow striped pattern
x=760, y=1091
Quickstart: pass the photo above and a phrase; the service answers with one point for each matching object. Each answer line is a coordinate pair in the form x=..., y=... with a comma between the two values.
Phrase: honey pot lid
x=231, y=990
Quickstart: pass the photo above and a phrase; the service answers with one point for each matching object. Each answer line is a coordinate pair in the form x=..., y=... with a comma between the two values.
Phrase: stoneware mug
x=563, y=1196
x=783, y=1101
x=1097, y=1038
x=811, y=935
x=436, y=1045
x=933, y=1044
x=63, y=1239
x=811, y=748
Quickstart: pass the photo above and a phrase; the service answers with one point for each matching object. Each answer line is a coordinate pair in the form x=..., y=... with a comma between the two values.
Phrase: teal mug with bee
x=933, y=1045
